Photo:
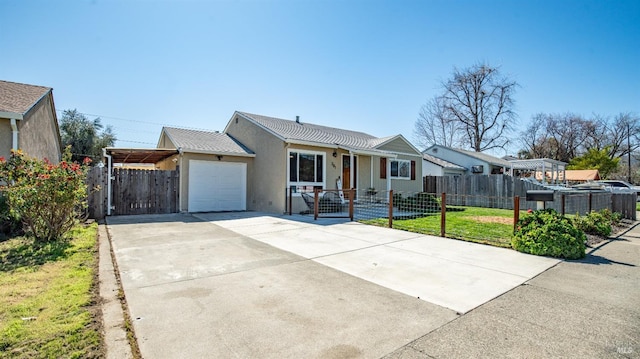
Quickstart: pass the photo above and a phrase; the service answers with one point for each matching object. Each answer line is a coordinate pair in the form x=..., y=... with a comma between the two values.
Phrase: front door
x=346, y=174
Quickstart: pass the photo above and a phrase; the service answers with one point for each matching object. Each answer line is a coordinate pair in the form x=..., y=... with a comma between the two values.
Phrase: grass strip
x=48, y=297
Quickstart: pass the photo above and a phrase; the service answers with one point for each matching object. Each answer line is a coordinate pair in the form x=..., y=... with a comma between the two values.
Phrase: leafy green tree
x=595, y=159
x=86, y=137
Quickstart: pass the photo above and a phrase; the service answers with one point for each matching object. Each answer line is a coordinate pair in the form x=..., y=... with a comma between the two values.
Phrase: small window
x=401, y=169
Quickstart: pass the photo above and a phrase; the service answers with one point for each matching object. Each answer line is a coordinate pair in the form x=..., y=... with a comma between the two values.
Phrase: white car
x=619, y=186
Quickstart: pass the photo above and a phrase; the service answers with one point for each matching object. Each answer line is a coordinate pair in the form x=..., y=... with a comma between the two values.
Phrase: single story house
x=473, y=162
x=434, y=166
x=581, y=176
x=28, y=121
x=258, y=160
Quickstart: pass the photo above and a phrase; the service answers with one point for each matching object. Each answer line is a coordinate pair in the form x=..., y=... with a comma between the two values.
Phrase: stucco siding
x=267, y=191
x=183, y=163
x=6, y=139
x=38, y=132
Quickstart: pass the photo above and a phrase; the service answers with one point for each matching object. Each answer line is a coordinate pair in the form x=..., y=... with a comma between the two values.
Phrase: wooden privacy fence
x=133, y=191
x=498, y=191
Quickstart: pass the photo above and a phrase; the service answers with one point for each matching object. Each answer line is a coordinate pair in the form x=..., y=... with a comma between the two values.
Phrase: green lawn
x=474, y=224
x=48, y=298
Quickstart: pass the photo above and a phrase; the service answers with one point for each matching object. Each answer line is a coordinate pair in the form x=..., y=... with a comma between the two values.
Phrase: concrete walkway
x=454, y=274
x=578, y=309
x=250, y=285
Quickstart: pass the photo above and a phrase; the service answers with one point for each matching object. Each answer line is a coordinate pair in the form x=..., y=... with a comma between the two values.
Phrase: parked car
x=619, y=186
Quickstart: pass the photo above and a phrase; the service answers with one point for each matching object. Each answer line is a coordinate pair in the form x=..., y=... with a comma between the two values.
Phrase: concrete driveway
x=249, y=285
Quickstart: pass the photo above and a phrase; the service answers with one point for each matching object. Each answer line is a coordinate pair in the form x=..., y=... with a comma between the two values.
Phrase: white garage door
x=217, y=186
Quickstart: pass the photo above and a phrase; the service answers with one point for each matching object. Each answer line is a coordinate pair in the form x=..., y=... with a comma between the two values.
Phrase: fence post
x=516, y=211
x=290, y=199
x=315, y=204
x=352, y=195
x=443, y=215
x=562, y=204
x=590, y=199
x=391, y=209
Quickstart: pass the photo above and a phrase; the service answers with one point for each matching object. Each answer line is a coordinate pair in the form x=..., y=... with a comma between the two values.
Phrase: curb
x=115, y=335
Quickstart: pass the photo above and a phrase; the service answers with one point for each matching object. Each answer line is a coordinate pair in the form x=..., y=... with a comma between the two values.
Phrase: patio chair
x=328, y=203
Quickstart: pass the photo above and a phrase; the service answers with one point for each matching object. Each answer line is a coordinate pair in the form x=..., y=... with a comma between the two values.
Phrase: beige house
x=257, y=160
x=28, y=121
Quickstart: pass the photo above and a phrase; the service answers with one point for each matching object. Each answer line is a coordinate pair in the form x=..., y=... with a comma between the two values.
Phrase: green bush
x=596, y=223
x=421, y=201
x=547, y=233
x=9, y=222
x=45, y=196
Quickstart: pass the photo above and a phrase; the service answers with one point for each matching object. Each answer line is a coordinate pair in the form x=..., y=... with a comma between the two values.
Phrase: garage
x=217, y=186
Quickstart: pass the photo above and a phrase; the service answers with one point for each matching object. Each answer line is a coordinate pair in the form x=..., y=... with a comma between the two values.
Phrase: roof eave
x=217, y=153
x=14, y=115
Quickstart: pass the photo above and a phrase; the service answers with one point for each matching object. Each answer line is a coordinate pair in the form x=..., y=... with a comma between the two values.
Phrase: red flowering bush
x=45, y=196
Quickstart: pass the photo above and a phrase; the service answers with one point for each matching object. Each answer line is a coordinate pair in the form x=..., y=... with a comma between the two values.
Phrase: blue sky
x=361, y=65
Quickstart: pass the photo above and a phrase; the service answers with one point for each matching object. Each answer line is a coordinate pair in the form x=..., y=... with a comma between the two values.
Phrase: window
x=306, y=170
x=401, y=169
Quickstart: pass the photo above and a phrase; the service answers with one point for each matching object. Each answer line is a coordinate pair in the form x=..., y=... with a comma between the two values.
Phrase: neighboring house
x=581, y=176
x=434, y=166
x=541, y=169
x=472, y=162
x=28, y=121
x=257, y=160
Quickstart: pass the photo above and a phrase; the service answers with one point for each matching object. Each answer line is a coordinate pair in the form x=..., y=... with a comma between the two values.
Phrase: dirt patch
x=492, y=219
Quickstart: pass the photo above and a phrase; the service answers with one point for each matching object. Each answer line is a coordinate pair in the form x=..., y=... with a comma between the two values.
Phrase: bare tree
x=566, y=136
x=556, y=136
x=623, y=135
x=475, y=107
x=434, y=126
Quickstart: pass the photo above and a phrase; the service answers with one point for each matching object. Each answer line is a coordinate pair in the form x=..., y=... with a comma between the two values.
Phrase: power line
x=138, y=121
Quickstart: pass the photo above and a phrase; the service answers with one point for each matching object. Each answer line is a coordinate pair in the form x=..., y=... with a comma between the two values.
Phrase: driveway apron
x=195, y=289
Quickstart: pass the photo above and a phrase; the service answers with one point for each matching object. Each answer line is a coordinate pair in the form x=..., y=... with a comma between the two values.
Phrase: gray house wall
x=38, y=133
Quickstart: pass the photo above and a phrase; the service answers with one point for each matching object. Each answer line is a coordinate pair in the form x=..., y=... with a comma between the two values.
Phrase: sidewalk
x=577, y=309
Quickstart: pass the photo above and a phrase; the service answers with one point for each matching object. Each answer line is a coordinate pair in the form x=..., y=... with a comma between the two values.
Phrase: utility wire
x=138, y=121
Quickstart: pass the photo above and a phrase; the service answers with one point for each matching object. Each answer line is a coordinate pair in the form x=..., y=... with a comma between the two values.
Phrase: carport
x=136, y=190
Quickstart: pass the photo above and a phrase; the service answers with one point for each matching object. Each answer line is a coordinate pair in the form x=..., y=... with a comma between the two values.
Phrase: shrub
x=422, y=201
x=596, y=223
x=9, y=222
x=547, y=233
x=43, y=195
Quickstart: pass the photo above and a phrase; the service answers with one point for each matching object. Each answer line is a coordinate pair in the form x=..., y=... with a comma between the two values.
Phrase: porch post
x=388, y=174
x=351, y=172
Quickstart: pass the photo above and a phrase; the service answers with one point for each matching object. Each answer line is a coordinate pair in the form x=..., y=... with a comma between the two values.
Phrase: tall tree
x=86, y=137
x=435, y=126
x=557, y=136
x=477, y=106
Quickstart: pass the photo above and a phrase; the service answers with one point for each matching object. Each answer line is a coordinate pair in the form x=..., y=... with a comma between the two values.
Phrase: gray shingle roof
x=19, y=98
x=293, y=131
x=485, y=157
x=205, y=141
x=442, y=163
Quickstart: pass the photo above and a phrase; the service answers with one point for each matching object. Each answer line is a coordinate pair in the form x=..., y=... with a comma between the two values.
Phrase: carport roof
x=140, y=155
